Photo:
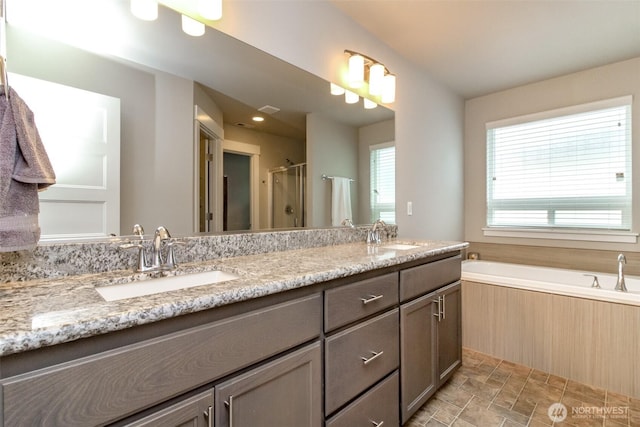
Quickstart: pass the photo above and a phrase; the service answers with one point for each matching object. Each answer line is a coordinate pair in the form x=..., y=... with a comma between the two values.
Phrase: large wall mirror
x=185, y=106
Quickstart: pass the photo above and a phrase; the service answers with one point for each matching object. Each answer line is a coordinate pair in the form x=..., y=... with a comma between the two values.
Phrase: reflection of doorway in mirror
x=81, y=133
x=249, y=153
x=237, y=192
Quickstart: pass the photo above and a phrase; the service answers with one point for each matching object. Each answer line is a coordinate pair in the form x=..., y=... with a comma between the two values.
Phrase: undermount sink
x=162, y=284
x=399, y=246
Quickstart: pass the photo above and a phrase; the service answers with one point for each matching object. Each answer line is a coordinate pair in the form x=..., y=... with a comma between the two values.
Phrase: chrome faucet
x=159, y=262
x=373, y=234
x=620, y=285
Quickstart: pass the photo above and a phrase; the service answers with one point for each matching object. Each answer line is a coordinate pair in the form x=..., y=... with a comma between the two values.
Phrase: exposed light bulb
x=146, y=10
x=336, y=90
x=356, y=71
x=376, y=79
x=389, y=89
x=351, y=97
x=210, y=9
x=192, y=27
x=369, y=104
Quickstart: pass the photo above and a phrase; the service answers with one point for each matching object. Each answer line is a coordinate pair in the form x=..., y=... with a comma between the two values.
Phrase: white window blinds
x=568, y=168
x=383, y=182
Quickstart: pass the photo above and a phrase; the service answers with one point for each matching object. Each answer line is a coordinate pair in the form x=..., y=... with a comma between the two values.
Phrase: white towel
x=340, y=200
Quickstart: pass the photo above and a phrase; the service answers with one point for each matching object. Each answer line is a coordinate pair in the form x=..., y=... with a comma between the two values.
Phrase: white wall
x=622, y=78
x=429, y=117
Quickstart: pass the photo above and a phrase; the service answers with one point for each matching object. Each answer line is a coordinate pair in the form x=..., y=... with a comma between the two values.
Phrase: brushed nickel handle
x=371, y=298
x=444, y=307
x=377, y=424
x=229, y=404
x=208, y=414
x=439, y=313
x=366, y=361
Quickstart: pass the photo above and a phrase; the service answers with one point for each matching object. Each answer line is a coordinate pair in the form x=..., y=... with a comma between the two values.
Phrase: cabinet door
x=418, y=331
x=194, y=411
x=449, y=331
x=285, y=392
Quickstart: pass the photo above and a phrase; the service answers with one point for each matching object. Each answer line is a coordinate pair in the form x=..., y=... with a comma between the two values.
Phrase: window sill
x=575, y=235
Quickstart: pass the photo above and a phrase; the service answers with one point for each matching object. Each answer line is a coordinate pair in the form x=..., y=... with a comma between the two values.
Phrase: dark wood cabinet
x=285, y=392
x=430, y=331
x=359, y=351
x=449, y=331
x=196, y=411
x=418, y=344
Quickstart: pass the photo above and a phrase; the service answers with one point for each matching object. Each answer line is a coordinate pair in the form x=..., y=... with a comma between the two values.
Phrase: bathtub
x=551, y=319
x=573, y=283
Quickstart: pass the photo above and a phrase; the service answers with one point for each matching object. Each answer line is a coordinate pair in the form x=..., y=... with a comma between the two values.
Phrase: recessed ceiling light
x=258, y=119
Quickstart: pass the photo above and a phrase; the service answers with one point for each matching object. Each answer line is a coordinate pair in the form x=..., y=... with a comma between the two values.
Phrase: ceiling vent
x=269, y=109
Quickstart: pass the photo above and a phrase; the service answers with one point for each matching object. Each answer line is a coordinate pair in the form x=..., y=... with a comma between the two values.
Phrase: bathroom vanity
x=346, y=335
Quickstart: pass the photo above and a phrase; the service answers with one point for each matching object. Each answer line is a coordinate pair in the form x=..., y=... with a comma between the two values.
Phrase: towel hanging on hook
x=3, y=76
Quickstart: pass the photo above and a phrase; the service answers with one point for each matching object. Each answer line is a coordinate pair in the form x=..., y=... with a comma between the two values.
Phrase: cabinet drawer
x=358, y=357
x=379, y=406
x=101, y=388
x=425, y=278
x=352, y=302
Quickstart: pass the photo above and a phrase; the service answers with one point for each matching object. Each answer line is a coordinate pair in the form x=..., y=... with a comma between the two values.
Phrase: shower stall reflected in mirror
x=287, y=195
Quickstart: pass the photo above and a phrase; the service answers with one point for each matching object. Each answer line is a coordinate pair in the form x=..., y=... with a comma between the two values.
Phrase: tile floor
x=488, y=392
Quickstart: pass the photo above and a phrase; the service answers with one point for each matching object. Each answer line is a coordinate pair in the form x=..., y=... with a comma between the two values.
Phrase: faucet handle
x=138, y=231
x=595, y=283
x=171, y=258
x=142, y=262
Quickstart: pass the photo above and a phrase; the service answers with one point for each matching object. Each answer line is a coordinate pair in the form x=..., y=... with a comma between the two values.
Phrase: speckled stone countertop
x=44, y=312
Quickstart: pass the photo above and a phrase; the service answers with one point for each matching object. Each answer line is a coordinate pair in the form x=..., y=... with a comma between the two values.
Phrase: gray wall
x=332, y=149
x=610, y=81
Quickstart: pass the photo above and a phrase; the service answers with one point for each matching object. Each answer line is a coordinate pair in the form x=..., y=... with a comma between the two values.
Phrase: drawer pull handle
x=366, y=361
x=371, y=298
x=208, y=414
x=380, y=424
x=229, y=405
x=438, y=314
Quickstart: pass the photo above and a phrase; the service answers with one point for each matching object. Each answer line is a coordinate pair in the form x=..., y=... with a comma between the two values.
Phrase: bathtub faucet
x=620, y=285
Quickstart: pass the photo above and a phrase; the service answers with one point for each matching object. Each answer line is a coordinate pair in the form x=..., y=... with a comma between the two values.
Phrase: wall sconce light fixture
x=207, y=9
x=363, y=68
x=192, y=27
x=147, y=10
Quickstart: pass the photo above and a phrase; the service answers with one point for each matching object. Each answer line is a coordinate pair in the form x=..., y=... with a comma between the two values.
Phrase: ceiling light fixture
x=146, y=10
x=363, y=68
x=192, y=27
x=210, y=9
x=257, y=119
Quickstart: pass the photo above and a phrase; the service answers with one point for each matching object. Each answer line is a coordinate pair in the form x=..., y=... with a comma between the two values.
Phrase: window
x=383, y=182
x=563, y=169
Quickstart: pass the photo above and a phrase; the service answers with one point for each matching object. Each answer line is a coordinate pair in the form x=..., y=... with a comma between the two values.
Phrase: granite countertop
x=41, y=313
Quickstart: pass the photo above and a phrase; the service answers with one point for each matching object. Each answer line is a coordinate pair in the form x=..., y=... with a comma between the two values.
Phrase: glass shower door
x=288, y=196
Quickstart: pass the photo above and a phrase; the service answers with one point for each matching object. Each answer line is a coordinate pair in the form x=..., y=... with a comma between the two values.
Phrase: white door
x=81, y=133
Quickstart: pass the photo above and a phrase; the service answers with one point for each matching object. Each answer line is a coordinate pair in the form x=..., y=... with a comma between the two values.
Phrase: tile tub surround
x=487, y=392
x=46, y=312
x=51, y=260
